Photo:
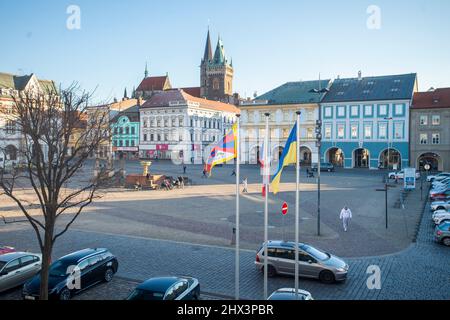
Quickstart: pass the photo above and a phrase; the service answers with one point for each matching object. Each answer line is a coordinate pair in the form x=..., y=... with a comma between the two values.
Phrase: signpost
x=284, y=211
x=409, y=178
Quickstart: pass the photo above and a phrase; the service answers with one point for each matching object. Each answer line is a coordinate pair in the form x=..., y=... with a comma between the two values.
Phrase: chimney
x=359, y=75
x=139, y=101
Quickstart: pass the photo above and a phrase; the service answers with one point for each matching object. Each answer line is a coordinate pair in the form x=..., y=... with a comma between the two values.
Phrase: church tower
x=216, y=73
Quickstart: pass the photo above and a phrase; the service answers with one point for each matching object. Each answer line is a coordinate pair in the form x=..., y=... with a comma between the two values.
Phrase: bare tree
x=58, y=136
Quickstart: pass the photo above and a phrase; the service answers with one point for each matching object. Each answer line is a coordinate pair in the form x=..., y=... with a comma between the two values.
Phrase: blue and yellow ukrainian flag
x=289, y=156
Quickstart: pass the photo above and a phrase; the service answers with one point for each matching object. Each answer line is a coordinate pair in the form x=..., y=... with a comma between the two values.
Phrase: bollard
x=233, y=237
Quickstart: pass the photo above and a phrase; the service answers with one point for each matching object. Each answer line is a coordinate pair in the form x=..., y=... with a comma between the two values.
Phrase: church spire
x=208, y=51
x=125, y=94
x=146, y=71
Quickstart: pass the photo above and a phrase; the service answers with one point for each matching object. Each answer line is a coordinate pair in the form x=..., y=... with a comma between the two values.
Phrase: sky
x=271, y=42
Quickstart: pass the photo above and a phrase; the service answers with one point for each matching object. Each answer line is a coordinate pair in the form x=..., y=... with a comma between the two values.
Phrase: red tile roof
x=439, y=98
x=153, y=84
x=193, y=91
x=169, y=97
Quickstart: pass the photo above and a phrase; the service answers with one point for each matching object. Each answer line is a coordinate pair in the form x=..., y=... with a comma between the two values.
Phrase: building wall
x=123, y=138
x=347, y=126
x=281, y=121
x=418, y=128
x=179, y=132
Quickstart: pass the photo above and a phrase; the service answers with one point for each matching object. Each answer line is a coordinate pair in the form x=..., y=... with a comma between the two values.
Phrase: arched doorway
x=390, y=159
x=305, y=156
x=11, y=153
x=361, y=158
x=277, y=153
x=335, y=156
x=430, y=158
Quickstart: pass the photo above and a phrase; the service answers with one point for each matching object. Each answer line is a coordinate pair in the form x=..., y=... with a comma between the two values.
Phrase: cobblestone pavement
x=418, y=272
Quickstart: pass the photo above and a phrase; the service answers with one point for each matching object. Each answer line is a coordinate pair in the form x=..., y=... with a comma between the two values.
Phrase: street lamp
x=388, y=149
x=319, y=143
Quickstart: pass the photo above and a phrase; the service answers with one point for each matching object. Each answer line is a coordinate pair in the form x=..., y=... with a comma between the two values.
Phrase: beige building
x=430, y=129
x=282, y=104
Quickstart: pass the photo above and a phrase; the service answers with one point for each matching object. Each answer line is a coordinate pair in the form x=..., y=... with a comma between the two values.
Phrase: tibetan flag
x=225, y=150
x=288, y=157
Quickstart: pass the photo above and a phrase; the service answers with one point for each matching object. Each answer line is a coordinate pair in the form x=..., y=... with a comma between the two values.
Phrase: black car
x=167, y=288
x=74, y=273
x=324, y=166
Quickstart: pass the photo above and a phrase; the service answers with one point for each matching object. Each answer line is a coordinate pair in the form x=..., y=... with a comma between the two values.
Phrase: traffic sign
x=427, y=167
x=284, y=209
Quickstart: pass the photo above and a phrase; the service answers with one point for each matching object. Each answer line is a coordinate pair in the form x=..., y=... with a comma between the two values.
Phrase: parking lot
x=189, y=232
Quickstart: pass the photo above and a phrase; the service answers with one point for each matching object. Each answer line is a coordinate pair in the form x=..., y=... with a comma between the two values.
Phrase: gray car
x=313, y=262
x=18, y=267
x=442, y=233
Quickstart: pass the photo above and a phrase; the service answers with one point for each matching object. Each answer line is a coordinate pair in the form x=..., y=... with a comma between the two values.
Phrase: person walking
x=204, y=174
x=345, y=216
x=233, y=173
x=245, y=185
x=184, y=169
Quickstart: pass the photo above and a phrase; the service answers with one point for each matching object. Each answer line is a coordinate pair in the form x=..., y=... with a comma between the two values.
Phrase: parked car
x=289, y=294
x=438, y=177
x=167, y=288
x=441, y=216
x=440, y=195
x=442, y=233
x=324, y=166
x=401, y=174
x=87, y=267
x=18, y=267
x=313, y=262
x=440, y=205
x=6, y=249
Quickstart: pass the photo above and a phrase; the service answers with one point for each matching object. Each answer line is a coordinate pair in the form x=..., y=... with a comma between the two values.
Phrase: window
x=285, y=133
x=116, y=130
x=12, y=266
x=27, y=260
x=127, y=130
x=382, y=110
x=310, y=133
x=398, y=130
x=382, y=131
x=399, y=110
x=423, y=138
x=354, y=129
x=145, y=137
x=423, y=120
x=328, y=131
x=180, y=122
x=192, y=123
x=120, y=143
x=328, y=112
x=158, y=123
x=368, y=111
x=159, y=137
x=127, y=143
x=10, y=127
x=133, y=130
x=368, y=131
x=341, y=111
x=435, y=138
x=83, y=265
x=152, y=137
x=166, y=123
x=174, y=122
x=436, y=120
x=341, y=131
x=216, y=84
x=120, y=130
x=132, y=143
x=354, y=111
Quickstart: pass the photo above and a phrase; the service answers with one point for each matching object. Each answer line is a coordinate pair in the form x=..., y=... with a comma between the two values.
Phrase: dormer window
x=394, y=89
x=366, y=91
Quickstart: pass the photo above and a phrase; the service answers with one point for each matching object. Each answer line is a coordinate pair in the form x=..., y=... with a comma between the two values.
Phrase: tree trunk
x=46, y=261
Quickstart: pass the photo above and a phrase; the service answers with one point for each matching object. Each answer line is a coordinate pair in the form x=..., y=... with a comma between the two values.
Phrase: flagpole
x=238, y=161
x=266, y=205
x=297, y=203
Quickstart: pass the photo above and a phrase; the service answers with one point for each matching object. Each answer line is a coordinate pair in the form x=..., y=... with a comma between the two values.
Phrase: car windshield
x=59, y=268
x=316, y=253
x=139, y=294
x=2, y=264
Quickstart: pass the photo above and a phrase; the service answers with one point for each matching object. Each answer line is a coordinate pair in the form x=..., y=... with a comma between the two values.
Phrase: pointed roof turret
x=207, y=56
x=219, y=54
x=146, y=71
x=125, y=94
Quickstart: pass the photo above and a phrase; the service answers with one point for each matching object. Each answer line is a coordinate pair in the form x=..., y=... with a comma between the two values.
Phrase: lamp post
x=388, y=143
x=319, y=144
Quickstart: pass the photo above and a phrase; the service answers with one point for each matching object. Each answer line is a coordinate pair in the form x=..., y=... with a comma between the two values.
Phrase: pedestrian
x=233, y=173
x=307, y=172
x=184, y=169
x=204, y=174
x=345, y=216
x=245, y=185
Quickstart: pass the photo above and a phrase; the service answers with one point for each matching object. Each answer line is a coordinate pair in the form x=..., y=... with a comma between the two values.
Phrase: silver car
x=18, y=267
x=440, y=205
x=289, y=294
x=313, y=263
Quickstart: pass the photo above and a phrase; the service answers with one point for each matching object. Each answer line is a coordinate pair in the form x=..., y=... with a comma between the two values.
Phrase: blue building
x=365, y=121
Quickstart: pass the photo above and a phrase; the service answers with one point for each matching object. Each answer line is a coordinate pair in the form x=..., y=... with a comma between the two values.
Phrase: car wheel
x=326, y=276
x=271, y=271
x=440, y=208
x=64, y=294
x=109, y=274
x=446, y=241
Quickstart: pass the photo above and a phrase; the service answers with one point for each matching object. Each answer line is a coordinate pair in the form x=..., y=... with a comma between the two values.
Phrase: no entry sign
x=284, y=209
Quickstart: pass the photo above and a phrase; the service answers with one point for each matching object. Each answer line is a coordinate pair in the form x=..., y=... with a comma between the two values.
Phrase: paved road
x=419, y=272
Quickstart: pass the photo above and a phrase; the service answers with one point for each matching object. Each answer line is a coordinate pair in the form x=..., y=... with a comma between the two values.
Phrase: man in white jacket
x=346, y=215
